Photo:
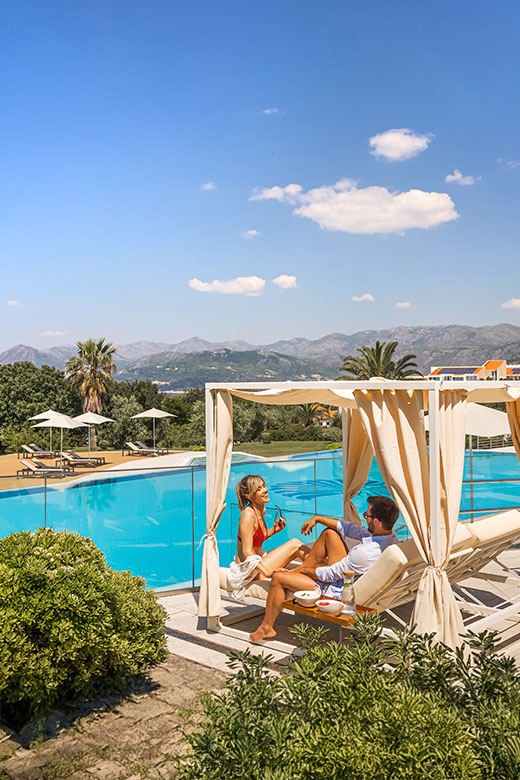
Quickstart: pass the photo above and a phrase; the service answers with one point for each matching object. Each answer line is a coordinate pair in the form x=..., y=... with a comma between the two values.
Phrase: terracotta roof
x=493, y=364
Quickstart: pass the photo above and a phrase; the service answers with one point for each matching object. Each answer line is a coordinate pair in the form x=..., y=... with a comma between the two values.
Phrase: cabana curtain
x=513, y=415
x=220, y=464
x=359, y=460
x=394, y=425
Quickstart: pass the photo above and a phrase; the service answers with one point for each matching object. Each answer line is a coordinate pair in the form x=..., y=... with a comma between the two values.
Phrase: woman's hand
x=279, y=525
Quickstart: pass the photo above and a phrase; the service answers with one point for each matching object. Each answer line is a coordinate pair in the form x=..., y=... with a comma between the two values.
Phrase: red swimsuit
x=259, y=537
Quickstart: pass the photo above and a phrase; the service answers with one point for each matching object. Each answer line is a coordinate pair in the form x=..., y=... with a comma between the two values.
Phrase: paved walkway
x=136, y=737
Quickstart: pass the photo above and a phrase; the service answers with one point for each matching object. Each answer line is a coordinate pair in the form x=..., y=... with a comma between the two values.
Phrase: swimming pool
x=151, y=522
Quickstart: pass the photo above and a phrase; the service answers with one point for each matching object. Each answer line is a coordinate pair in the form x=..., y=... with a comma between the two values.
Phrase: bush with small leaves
x=70, y=626
x=404, y=708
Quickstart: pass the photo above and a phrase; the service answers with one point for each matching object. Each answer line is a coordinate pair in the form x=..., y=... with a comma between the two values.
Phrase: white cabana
x=424, y=481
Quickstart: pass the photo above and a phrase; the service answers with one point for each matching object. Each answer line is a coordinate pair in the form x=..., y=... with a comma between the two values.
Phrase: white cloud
x=270, y=111
x=285, y=282
x=12, y=303
x=365, y=298
x=54, y=333
x=250, y=233
x=242, y=285
x=403, y=305
x=343, y=206
x=458, y=178
x=512, y=303
x=398, y=144
x=208, y=185
x=509, y=163
x=291, y=193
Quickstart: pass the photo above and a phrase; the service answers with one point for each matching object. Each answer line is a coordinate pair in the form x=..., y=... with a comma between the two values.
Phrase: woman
x=252, y=562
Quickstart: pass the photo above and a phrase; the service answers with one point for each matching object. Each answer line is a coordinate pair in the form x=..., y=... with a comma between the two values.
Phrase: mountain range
x=192, y=362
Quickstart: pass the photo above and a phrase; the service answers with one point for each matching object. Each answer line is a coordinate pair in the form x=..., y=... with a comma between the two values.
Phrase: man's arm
x=332, y=573
x=346, y=528
x=330, y=522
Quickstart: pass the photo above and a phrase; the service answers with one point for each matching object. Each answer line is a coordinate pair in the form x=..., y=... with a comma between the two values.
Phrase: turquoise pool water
x=151, y=523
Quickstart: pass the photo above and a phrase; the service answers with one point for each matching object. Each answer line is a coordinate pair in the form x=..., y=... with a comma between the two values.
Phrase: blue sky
x=116, y=114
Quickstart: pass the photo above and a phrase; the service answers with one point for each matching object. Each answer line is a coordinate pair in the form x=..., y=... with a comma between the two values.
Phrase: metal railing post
x=45, y=502
x=315, y=495
x=192, y=528
x=471, y=496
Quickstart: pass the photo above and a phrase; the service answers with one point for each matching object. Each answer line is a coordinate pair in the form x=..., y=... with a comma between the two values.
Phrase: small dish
x=307, y=598
x=329, y=606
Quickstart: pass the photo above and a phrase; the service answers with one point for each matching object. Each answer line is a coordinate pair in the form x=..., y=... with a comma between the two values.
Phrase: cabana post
x=344, y=443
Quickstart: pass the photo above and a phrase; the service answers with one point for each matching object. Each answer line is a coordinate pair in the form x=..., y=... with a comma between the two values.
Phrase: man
x=323, y=567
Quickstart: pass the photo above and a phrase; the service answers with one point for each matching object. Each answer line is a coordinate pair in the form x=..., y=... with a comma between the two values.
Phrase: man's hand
x=309, y=571
x=308, y=526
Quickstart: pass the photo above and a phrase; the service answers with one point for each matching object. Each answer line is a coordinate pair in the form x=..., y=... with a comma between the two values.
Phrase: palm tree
x=90, y=374
x=308, y=413
x=379, y=361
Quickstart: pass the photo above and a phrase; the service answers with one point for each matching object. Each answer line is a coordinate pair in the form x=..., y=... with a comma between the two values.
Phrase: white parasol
x=91, y=418
x=60, y=421
x=155, y=414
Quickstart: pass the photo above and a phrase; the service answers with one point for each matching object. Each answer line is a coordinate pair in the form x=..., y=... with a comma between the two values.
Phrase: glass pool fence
x=152, y=520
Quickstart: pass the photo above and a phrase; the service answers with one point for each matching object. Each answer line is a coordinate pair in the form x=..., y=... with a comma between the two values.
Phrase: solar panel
x=515, y=371
x=459, y=370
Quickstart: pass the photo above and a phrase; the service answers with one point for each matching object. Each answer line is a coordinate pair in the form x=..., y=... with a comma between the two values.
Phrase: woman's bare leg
x=280, y=556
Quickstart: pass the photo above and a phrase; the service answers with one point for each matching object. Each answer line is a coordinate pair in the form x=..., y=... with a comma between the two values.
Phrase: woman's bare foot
x=262, y=633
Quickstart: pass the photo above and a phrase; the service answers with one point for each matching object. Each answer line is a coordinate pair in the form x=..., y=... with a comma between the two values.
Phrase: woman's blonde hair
x=246, y=487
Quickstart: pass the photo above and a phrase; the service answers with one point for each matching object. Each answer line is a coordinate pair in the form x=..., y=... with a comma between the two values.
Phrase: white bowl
x=329, y=606
x=307, y=598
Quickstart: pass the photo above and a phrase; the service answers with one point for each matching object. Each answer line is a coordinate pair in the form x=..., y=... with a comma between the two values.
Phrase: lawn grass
x=280, y=447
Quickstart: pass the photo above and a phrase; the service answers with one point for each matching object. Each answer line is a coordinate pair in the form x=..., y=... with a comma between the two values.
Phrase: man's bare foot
x=262, y=633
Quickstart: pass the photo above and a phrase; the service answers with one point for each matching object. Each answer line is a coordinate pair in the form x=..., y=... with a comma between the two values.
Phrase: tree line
x=88, y=384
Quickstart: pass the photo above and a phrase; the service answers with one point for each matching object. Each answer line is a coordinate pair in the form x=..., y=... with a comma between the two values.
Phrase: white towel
x=241, y=573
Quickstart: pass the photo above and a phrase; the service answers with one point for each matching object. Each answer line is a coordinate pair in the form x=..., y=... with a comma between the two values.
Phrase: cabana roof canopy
x=341, y=393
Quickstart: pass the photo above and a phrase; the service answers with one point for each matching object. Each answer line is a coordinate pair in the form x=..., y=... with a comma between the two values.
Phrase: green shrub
x=69, y=625
x=330, y=434
x=378, y=709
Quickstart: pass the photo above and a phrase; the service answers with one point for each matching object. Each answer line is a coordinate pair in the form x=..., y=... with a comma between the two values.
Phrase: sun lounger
x=30, y=451
x=34, y=468
x=393, y=579
x=76, y=461
x=99, y=460
x=133, y=449
x=41, y=453
x=159, y=450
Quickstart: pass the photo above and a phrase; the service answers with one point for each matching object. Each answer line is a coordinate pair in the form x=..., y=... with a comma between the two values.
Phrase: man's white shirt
x=359, y=559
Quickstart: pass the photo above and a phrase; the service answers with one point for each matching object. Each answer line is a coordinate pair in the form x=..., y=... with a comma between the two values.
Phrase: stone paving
x=132, y=737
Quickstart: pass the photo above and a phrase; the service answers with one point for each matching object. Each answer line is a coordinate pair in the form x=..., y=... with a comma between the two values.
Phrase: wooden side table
x=341, y=621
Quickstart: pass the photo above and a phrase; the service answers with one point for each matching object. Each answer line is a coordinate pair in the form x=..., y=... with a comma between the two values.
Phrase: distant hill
x=180, y=372
x=55, y=356
x=432, y=344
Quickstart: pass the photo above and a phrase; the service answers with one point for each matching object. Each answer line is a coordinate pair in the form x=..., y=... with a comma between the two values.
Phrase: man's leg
x=280, y=581
x=328, y=549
